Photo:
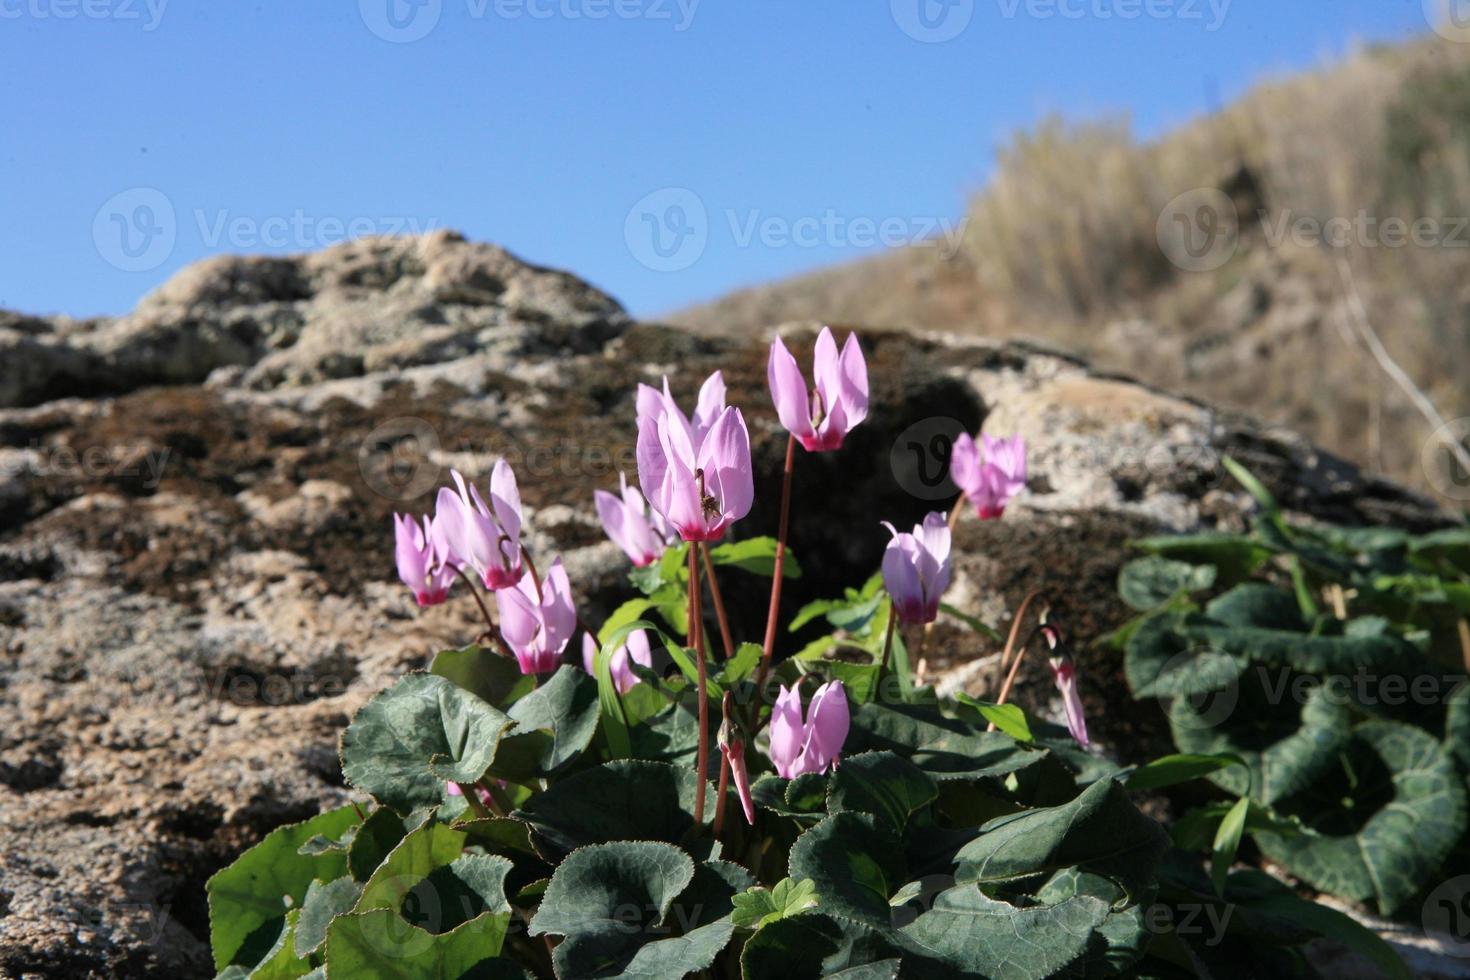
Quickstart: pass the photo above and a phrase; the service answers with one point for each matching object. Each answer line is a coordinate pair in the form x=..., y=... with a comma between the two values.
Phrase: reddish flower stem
x=702, y=766
x=1005, y=690
x=954, y=513
x=719, y=601
x=768, y=648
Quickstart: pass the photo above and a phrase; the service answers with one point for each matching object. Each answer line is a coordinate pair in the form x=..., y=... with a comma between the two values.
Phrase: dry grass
x=1062, y=245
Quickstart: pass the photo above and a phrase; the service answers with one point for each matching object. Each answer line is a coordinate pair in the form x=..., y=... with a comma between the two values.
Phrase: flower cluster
x=696, y=480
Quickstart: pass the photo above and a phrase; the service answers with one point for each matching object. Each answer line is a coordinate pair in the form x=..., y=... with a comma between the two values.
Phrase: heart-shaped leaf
x=945, y=748
x=883, y=784
x=247, y=900
x=1148, y=583
x=406, y=742
x=623, y=800
x=855, y=864
x=1382, y=822
x=815, y=946
x=379, y=943
x=1100, y=831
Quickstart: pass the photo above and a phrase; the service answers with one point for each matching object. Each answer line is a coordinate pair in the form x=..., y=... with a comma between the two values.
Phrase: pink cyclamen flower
x=799, y=747
x=1064, y=672
x=424, y=563
x=698, y=476
x=991, y=474
x=632, y=524
x=635, y=646
x=916, y=569
x=481, y=792
x=822, y=419
x=486, y=538
x=538, y=623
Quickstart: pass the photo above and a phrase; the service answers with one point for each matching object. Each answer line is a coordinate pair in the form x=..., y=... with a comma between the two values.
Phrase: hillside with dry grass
x=1350, y=192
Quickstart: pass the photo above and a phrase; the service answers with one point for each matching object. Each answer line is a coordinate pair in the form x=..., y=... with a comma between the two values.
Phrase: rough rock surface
x=196, y=585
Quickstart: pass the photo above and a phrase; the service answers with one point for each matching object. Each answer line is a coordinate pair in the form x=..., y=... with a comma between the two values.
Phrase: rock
x=196, y=573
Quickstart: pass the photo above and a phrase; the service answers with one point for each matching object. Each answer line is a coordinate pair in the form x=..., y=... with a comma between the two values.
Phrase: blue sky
x=666, y=150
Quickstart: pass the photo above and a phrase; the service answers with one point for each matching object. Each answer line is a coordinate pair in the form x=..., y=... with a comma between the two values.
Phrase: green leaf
x=1100, y=831
x=424, y=730
x=379, y=943
x=555, y=723
x=740, y=667
x=1171, y=770
x=1008, y=718
x=623, y=800
x=854, y=863
x=1227, y=843
x=1252, y=485
x=1382, y=824
x=634, y=909
x=379, y=834
x=627, y=614
x=945, y=748
x=282, y=962
x=802, y=798
x=882, y=784
x=969, y=931
x=974, y=622
x=1150, y=582
x=1334, y=925
x=1285, y=743
x=323, y=902
x=756, y=555
x=758, y=907
x=815, y=947
x=1235, y=556
x=430, y=881
x=492, y=677
x=1161, y=660
x=247, y=900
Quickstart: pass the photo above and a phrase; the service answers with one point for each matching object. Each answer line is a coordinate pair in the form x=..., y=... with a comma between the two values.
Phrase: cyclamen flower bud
x=1064, y=672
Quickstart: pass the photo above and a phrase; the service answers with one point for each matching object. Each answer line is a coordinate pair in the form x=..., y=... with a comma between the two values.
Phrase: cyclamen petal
x=635, y=650
x=917, y=569
x=798, y=746
x=538, y=628
x=484, y=538
x=420, y=560
x=992, y=474
x=838, y=401
x=632, y=524
x=700, y=480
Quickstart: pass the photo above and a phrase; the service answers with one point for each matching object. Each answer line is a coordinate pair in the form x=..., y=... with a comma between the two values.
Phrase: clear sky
x=666, y=150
